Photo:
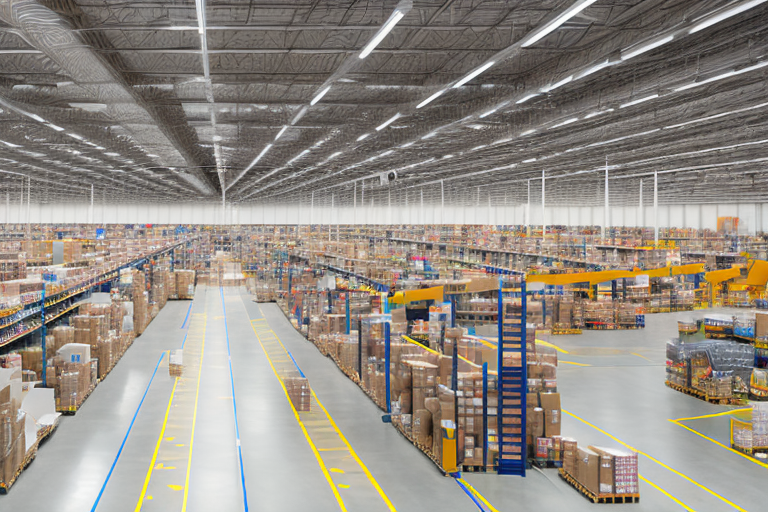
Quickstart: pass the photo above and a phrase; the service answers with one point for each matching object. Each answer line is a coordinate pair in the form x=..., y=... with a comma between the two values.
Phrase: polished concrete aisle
x=71, y=467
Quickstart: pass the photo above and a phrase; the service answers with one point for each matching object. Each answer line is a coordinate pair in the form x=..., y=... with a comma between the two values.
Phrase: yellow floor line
x=157, y=449
x=573, y=363
x=194, y=420
x=550, y=345
x=642, y=357
x=368, y=474
x=718, y=443
x=478, y=495
x=665, y=466
x=686, y=507
x=714, y=415
x=303, y=428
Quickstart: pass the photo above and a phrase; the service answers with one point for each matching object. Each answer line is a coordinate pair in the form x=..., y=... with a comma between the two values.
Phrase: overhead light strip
x=388, y=122
x=728, y=13
x=394, y=18
x=320, y=95
x=473, y=74
x=553, y=25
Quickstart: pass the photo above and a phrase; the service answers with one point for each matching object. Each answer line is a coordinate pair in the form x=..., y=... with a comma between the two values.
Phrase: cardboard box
x=606, y=470
x=588, y=469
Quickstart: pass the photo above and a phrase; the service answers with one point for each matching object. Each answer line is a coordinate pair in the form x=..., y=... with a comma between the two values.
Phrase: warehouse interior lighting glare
x=708, y=21
x=320, y=95
x=363, y=137
x=388, y=122
x=634, y=52
x=281, y=132
x=526, y=98
x=430, y=99
x=553, y=25
x=394, y=18
x=723, y=76
x=558, y=84
x=256, y=160
x=640, y=100
x=473, y=74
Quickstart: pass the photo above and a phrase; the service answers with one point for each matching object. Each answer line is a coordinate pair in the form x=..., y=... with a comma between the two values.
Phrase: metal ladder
x=512, y=378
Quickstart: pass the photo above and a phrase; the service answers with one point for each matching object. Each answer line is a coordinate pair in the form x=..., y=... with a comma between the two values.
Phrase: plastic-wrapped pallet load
x=12, y=431
x=298, y=392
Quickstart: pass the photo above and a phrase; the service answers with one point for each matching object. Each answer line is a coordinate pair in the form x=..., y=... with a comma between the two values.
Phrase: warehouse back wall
x=753, y=217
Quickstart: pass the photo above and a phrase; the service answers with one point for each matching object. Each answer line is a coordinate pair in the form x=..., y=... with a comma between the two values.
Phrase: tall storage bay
x=383, y=255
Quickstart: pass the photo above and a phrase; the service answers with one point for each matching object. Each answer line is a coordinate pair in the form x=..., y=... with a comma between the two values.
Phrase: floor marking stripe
x=187, y=317
x=194, y=419
x=550, y=345
x=234, y=403
x=468, y=493
x=157, y=449
x=574, y=363
x=718, y=443
x=686, y=507
x=681, y=475
x=122, y=445
x=303, y=428
x=368, y=474
x=638, y=355
x=476, y=493
x=714, y=415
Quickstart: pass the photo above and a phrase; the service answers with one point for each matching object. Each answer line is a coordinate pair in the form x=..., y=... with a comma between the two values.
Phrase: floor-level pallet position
x=42, y=435
x=599, y=498
x=70, y=410
x=703, y=396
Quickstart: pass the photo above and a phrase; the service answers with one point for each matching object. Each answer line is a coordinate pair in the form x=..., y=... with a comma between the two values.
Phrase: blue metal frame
x=44, y=331
x=515, y=382
x=347, y=312
x=386, y=365
x=485, y=415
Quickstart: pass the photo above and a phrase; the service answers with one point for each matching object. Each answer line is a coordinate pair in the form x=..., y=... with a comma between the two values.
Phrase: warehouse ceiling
x=464, y=101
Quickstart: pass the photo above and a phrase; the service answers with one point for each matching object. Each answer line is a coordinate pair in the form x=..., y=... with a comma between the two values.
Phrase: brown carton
x=588, y=469
x=606, y=470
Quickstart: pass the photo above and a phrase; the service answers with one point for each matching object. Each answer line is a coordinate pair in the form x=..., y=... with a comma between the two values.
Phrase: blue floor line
x=120, y=451
x=471, y=496
x=234, y=403
x=187, y=317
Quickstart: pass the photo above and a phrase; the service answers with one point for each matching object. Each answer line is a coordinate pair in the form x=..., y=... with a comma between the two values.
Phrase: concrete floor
x=620, y=393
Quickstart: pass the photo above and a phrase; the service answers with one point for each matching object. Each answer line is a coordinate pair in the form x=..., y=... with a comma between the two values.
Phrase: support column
x=641, y=210
x=543, y=204
x=442, y=202
x=606, y=212
x=656, y=207
x=528, y=212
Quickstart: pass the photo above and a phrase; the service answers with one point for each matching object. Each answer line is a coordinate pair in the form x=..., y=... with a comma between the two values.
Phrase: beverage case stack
x=13, y=442
x=603, y=472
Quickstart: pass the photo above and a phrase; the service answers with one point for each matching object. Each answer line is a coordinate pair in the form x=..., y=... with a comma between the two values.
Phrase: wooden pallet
x=70, y=410
x=558, y=332
x=546, y=463
x=703, y=396
x=599, y=498
x=42, y=435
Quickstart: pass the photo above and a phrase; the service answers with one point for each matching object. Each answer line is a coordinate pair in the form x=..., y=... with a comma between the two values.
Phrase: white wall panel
x=753, y=217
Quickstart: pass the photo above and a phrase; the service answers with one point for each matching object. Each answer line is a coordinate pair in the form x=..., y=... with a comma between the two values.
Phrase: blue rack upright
x=512, y=377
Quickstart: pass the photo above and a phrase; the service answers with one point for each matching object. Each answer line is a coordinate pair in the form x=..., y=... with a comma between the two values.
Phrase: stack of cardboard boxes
x=543, y=415
x=299, y=392
x=13, y=445
x=602, y=471
x=185, y=284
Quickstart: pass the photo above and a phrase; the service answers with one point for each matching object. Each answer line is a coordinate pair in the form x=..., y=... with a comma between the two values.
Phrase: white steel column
x=442, y=202
x=606, y=213
x=528, y=212
x=543, y=204
x=656, y=206
x=421, y=214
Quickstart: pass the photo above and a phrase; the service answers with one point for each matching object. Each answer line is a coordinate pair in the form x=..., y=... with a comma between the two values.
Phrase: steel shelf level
x=512, y=378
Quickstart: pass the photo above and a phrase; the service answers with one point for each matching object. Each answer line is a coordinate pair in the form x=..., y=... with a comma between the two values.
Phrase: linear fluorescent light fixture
x=717, y=18
x=634, y=52
x=75, y=136
x=558, y=84
x=526, y=98
x=112, y=154
x=430, y=99
x=527, y=132
x=723, y=76
x=553, y=25
x=320, y=95
x=481, y=116
x=388, y=122
x=333, y=156
x=528, y=161
x=594, y=69
x=567, y=121
x=473, y=74
x=289, y=162
x=363, y=137
x=281, y=132
x=394, y=18
x=641, y=100
x=599, y=112
x=11, y=144
x=55, y=127
x=299, y=115
x=256, y=160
